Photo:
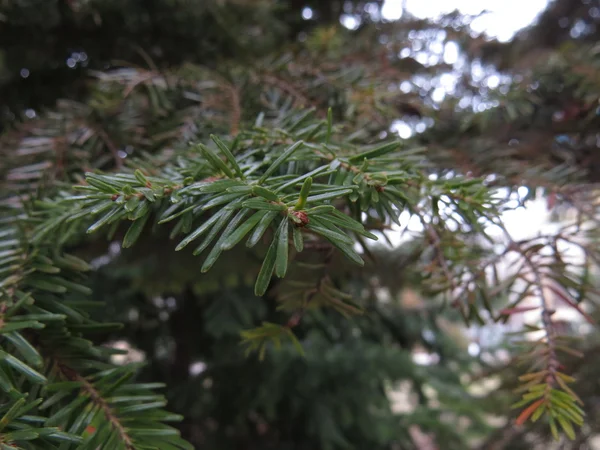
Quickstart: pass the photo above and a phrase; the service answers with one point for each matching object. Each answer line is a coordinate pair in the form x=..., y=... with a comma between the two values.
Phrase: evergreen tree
x=240, y=121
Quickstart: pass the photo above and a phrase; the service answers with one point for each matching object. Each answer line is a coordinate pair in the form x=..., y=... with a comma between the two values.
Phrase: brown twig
x=236, y=109
x=111, y=146
x=142, y=80
x=299, y=98
x=295, y=319
x=97, y=399
x=547, y=312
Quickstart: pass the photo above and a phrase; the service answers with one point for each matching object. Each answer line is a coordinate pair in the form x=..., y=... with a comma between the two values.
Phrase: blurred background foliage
x=88, y=84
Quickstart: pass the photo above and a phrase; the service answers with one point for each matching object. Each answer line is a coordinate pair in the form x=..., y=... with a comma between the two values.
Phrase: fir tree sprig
x=60, y=390
x=284, y=187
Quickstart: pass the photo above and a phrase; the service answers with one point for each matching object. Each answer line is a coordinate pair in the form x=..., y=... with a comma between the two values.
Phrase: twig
x=236, y=109
x=111, y=146
x=96, y=397
x=299, y=98
x=310, y=294
x=546, y=316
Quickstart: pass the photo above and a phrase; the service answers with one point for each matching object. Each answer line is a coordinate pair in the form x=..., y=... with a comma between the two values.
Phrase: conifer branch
x=100, y=402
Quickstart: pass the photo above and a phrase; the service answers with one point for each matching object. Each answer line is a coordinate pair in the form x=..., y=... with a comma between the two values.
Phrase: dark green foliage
x=345, y=367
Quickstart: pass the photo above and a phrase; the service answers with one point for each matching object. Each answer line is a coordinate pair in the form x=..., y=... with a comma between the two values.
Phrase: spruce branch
x=97, y=398
x=42, y=343
x=252, y=187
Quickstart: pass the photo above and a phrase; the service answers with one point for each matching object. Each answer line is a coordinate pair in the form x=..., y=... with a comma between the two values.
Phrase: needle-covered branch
x=287, y=189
